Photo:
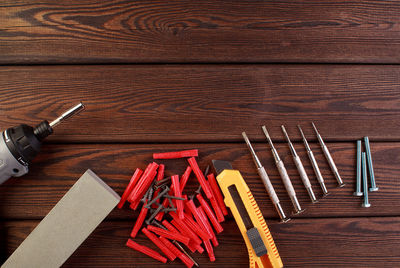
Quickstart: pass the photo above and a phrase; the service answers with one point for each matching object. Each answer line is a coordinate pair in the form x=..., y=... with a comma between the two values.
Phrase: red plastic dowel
x=199, y=219
x=135, y=178
x=208, y=226
x=185, y=177
x=209, y=249
x=141, y=180
x=194, y=243
x=183, y=228
x=185, y=259
x=139, y=221
x=178, y=193
x=200, y=177
x=145, y=250
x=218, y=212
x=169, y=226
x=160, y=176
x=174, y=155
x=217, y=193
x=170, y=255
x=161, y=169
x=173, y=236
x=141, y=189
x=196, y=228
x=218, y=228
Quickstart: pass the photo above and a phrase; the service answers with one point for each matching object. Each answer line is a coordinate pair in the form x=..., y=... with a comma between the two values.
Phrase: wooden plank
x=205, y=103
x=337, y=242
x=201, y=31
x=58, y=167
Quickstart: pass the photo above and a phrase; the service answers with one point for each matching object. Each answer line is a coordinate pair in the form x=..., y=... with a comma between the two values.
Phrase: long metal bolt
x=358, y=191
x=365, y=204
x=370, y=167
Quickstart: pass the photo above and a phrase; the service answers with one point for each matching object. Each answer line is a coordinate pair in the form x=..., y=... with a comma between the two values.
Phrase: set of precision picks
x=300, y=168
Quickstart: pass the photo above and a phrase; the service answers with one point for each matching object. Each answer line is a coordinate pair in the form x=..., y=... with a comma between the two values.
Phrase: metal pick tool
x=328, y=157
x=300, y=167
x=265, y=179
x=314, y=163
x=284, y=175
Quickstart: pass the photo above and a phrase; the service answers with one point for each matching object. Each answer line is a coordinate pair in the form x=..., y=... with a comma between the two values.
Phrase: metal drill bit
x=328, y=157
x=284, y=176
x=267, y=182
x=300, y=167
x=74, y=110
x=314, y=163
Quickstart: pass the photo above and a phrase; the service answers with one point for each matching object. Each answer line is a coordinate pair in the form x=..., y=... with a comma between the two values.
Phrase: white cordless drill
x=20, y=144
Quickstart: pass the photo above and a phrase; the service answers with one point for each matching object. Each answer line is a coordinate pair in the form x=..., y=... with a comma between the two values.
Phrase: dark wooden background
x=173, y=75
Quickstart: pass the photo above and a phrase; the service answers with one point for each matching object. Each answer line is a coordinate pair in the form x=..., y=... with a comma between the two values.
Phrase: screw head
x=341, y=185
x=358, y=193
x=374, y=189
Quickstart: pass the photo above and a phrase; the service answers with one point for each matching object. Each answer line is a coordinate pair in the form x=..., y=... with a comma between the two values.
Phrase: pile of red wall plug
x=171, y=219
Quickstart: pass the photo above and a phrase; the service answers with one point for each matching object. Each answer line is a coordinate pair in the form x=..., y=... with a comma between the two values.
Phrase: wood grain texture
x=58, y=167
x=301, y=243
x=202, y=31
x=206, y=103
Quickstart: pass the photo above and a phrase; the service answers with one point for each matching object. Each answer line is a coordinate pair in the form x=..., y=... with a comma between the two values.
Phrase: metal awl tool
x=265, y=179
x=284, y=175
x=300, y=167
x=314, y=163
x=328, y=157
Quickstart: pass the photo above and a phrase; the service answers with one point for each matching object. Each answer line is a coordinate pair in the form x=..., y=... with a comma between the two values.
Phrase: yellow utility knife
x=255, y=232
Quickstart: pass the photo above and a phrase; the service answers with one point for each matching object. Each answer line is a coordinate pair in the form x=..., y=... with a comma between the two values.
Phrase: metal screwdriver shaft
x=300, y=167
x=328, y=157
x=265, y=179
x=314, y=163
x=74, y=110
x=284, y=176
